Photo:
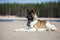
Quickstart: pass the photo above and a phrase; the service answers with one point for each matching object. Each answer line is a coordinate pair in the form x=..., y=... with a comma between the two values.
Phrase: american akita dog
x=33, y=21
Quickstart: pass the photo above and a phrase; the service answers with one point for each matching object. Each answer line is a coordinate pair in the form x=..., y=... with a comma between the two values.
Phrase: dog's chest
x=33, y=23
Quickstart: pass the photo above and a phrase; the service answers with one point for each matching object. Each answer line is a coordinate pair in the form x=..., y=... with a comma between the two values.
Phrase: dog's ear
x=27, y=10
x=32, y=10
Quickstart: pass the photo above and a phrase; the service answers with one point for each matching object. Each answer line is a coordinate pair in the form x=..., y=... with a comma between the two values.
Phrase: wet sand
x=7, y=32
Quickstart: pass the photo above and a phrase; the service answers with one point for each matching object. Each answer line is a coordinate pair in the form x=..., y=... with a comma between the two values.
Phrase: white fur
x=50, y=26
x=35, y=17
x=33, y=23
x=29, y=30
x=42, y=29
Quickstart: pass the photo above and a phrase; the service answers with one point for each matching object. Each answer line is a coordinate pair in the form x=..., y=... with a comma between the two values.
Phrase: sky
x=26, y=1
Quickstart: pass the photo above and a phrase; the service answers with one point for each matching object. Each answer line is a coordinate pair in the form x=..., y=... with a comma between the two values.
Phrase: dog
x=33, y=21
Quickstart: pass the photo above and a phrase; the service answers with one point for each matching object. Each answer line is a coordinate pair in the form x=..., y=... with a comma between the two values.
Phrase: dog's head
x=29, y=14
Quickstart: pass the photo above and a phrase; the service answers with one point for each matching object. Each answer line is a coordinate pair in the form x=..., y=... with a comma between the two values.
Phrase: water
x=12, y=20
x=55, y=20
x=5, y=20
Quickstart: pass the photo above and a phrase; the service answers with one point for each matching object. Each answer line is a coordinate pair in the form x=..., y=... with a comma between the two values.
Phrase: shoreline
x=23, y=18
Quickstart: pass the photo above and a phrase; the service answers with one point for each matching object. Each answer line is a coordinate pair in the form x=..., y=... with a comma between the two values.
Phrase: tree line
x=48, y=9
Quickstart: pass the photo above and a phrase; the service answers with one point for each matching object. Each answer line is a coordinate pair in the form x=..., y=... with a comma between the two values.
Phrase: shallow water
x=13, y=20
x=55, y=20
x=10, y=20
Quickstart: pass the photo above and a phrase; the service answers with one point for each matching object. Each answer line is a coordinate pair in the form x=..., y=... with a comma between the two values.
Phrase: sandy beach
x=7, y=32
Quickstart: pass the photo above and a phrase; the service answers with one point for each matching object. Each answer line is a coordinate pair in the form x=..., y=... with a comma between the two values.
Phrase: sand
x=7, y=32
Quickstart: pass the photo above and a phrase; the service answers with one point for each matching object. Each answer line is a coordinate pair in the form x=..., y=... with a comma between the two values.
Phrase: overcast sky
x=27, y=1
